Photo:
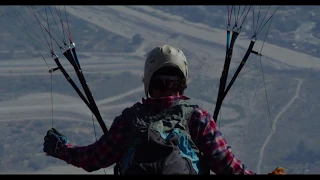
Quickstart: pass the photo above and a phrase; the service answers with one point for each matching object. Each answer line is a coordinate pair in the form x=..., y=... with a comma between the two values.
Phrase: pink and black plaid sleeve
x=101, y=154
x=214, y=147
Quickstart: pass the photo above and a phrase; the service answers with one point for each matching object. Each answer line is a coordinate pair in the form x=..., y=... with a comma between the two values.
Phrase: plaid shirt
x=109, y=148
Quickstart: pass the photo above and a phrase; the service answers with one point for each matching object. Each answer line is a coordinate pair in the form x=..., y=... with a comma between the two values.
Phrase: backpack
x=161, y=143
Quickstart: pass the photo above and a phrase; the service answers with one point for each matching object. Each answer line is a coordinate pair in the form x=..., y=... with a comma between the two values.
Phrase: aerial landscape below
x=269, y=117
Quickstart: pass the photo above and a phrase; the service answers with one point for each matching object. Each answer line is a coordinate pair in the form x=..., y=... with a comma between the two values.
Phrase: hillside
x=112, y=42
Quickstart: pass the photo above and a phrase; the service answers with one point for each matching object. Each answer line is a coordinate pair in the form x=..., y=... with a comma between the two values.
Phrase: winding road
x=283, y=110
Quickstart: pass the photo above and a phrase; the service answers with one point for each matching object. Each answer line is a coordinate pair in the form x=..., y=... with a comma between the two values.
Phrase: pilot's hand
x=277, y=171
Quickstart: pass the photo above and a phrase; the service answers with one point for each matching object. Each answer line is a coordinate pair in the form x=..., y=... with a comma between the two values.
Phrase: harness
x=172, y=121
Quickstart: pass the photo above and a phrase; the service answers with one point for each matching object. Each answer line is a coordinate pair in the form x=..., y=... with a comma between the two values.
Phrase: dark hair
x=168, y=78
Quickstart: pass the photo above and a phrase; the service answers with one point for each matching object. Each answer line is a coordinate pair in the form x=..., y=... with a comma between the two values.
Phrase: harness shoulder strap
x=126, y=114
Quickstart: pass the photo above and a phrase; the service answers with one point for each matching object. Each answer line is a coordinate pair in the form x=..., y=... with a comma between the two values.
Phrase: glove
x=277, y=171
x=53, y=141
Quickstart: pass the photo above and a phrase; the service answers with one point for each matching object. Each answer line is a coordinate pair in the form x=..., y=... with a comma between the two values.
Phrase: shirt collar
x=163, y=100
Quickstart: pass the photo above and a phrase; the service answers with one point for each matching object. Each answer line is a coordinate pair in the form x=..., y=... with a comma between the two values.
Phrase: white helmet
x=160, y=57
